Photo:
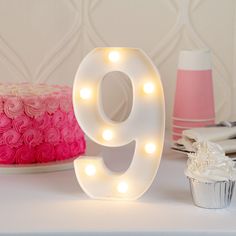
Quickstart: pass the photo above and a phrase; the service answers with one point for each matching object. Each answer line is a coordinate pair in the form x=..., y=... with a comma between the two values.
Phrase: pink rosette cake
x=37, y=124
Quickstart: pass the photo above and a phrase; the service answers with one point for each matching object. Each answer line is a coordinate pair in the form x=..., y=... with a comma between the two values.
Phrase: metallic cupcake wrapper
x=214, y=195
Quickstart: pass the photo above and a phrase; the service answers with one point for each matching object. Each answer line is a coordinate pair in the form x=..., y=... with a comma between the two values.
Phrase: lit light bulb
x=114, y=56
x=85, y=93
x=148, y=88
x=107, y=134
x=122, y=187
x=150, y=148
x=90, y=170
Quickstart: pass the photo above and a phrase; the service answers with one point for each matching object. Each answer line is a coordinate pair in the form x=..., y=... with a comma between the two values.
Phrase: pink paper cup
x=176, y=137
x=194, y=97
x=178, y=130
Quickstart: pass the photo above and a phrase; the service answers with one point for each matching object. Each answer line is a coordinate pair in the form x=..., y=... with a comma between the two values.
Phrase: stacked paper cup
x=194, y=99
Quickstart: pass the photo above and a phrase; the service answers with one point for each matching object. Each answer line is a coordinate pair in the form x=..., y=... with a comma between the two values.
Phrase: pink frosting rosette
x=34, y=106
x=66, y=103
x=58, y=119
x=24, y=155
x=13, y=107
x=62, y=151
x=5, y=123
x=65, y=88
x=1, y=140
x=32, y=137
x=67, y=134
x=1, y=105
x=42, y=122
x=51, y=103
x=77, y=147
x=78, y=132
x=22, y=123
x=71, y=118
x=12, y=138
x=45, y=153
x=7, y=155
x=52, y=135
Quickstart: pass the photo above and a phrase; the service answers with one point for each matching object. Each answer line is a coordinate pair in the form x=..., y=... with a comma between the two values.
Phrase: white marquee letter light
x=145, y=124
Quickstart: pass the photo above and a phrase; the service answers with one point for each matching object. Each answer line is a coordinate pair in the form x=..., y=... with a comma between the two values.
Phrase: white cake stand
x=37, y=168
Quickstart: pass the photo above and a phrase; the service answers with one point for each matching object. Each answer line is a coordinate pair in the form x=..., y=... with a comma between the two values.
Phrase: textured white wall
x=44, y=41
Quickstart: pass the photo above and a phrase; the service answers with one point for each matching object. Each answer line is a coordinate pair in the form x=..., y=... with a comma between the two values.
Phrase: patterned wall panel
x=44, y=41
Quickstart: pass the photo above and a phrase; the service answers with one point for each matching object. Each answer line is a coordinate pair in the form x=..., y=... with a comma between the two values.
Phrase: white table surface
x=54, y=204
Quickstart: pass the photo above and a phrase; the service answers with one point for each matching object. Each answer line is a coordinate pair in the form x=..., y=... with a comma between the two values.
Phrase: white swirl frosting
x=34, y=106
x=209, y=163
x=13, y=107
x=27, y=89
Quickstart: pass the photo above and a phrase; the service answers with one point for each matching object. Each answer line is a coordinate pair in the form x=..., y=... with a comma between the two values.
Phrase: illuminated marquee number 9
x=145, y=123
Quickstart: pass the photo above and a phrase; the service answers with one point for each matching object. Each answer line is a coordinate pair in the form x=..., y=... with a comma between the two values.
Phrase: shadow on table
x=61, y=183
x=174, y=195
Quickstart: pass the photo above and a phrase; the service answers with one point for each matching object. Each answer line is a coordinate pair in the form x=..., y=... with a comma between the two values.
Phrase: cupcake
x=211, y=176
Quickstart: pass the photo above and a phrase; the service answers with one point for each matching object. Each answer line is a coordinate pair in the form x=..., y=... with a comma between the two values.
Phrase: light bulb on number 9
x=148, y=88
x=90, y=170
x=114, y=56
x=150, y=148
x=85, y=93
x=122, y=187
x=107, y=135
